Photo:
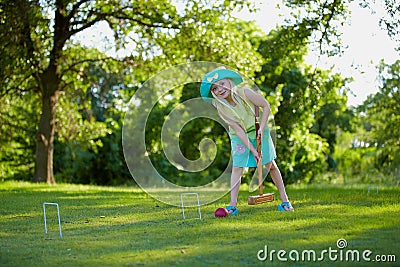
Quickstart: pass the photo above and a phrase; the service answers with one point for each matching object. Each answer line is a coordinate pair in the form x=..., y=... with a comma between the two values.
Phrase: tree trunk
x=49, y=84
x=45, y=140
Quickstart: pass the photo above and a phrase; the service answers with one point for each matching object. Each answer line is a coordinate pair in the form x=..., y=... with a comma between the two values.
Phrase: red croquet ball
x=221, y=212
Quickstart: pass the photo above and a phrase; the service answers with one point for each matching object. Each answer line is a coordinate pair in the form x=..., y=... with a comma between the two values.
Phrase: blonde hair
x=226, y=111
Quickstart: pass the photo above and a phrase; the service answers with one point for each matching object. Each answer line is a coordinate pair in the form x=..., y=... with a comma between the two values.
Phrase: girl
x=235, y=105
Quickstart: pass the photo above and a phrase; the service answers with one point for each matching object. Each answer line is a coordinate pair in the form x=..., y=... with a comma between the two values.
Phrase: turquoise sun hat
x=216, y=75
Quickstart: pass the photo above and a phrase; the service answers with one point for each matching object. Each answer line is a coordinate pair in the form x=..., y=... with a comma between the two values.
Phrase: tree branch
x=75, y=8
x=326, y=22
x=12, y=122
x=19, y=86
x=72, y=66
x=121, y=15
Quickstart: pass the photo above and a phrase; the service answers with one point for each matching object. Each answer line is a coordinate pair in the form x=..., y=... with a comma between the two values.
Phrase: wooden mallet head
x=254, y=200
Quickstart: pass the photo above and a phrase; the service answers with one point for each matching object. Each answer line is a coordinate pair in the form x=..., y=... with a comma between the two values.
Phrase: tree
x=381, y=117
x=389, y=20
x=18, y=116
x=37, y=47
x=316, y=23
x=333, y=115
x=88, y=139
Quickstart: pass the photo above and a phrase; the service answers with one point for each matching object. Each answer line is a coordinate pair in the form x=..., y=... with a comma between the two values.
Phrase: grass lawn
x=117, y=226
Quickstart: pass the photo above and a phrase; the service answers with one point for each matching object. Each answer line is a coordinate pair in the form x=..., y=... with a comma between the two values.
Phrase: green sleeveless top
x=247, y=120
x=244, y=111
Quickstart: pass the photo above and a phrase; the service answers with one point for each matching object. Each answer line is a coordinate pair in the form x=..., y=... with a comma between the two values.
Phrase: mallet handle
x=258, y=142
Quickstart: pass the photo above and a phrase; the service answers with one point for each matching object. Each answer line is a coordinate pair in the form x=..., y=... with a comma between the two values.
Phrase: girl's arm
x=260, y=101
x=244, y=138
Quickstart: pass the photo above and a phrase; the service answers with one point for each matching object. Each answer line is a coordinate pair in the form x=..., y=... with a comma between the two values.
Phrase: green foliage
x=17, y=139
x=320, y=20
x=88, y=144
x=99, y=162
x=391, y=20
x=357, y=162
x=208, y=38
x=19, y=55
x=370, y=152
x=39, y=51
x=381, y=109
x=333, y=114
x=379, y=117
x=43, y=57
x=189, y=140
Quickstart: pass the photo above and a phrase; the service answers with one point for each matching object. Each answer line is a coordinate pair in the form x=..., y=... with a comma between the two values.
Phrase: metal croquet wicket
x=45, y=219
x=183, y=205
x=373, y=187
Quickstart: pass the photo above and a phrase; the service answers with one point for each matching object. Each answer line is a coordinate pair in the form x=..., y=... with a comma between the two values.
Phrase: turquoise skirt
x=241, y=155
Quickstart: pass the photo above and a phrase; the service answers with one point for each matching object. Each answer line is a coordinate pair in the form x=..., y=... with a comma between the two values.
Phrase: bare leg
x=277, y=179
x=236, y=178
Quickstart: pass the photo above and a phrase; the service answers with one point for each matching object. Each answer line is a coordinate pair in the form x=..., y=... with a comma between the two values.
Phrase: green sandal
x=234, y=210
x=281, y=207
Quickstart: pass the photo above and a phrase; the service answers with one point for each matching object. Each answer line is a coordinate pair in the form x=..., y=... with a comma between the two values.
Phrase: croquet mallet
x=261, y=197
